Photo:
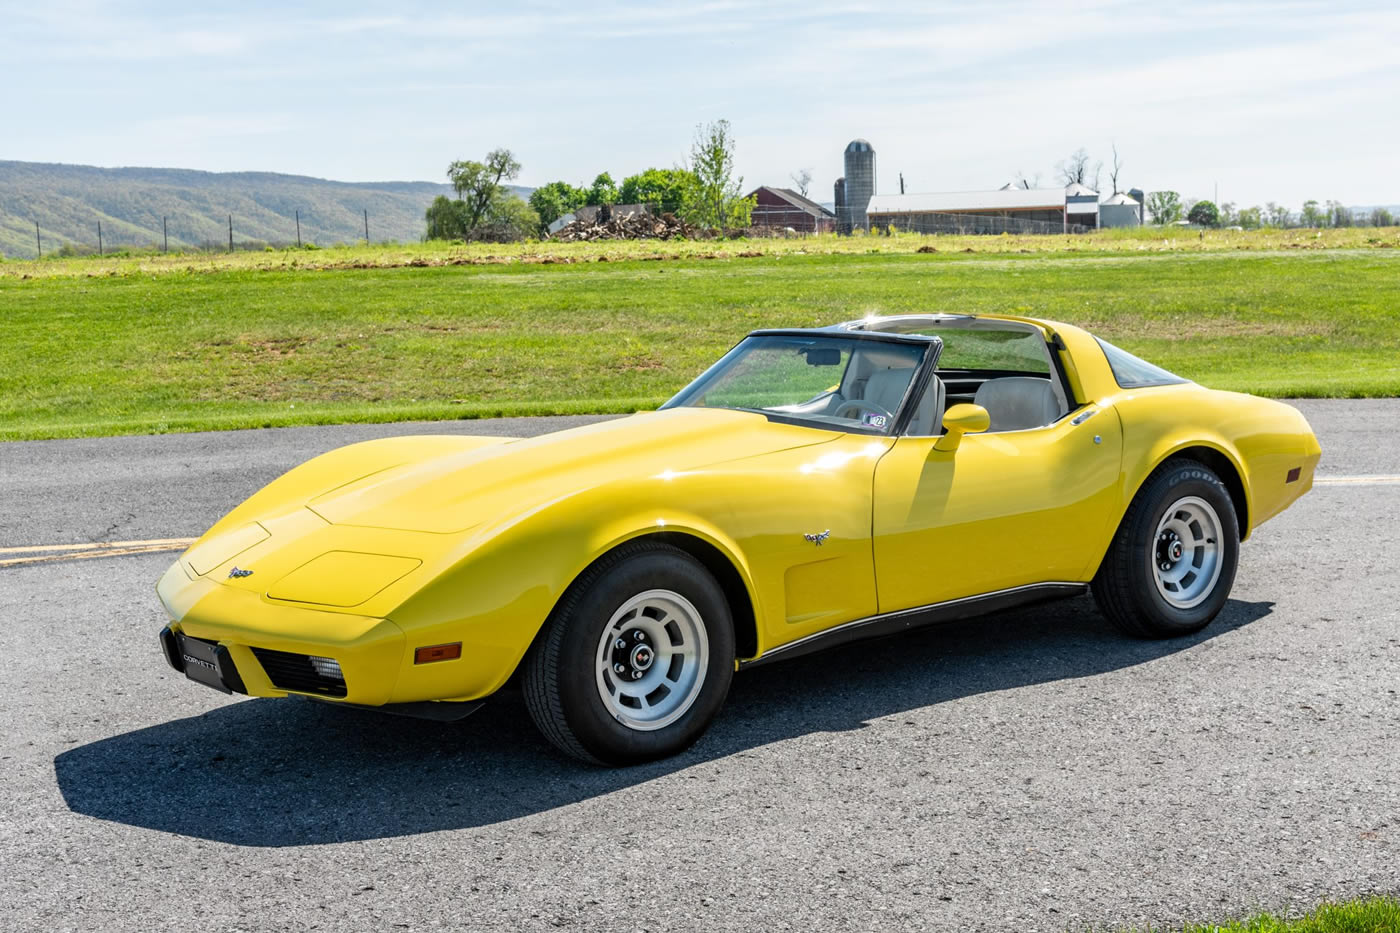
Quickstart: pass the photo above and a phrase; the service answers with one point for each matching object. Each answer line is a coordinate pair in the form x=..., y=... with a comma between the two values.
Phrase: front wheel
x=1172, y=562
x=635, y=660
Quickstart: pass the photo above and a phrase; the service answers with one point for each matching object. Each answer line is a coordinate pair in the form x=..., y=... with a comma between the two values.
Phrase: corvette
x=813, y=487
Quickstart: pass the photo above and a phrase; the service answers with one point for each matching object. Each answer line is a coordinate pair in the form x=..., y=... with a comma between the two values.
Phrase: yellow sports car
x=813, y=487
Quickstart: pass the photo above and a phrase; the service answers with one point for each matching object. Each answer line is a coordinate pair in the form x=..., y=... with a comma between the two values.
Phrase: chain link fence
x=789, y=221
x=964, y=224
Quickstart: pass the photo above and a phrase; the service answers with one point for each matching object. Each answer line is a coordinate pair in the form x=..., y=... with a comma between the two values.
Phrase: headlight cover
x=342, y=578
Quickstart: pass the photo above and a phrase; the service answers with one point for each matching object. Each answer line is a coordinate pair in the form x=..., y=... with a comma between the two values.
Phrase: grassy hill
x=68, y=201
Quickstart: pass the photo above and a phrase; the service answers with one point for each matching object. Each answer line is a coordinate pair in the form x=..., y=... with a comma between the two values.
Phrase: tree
x=713, y=200
x=447, y=219
x=802, y=179
x=1277, y=215
x=484, y=209
x=1204, y=214
x=663, y=188
x=1027, y=181
x=556, y=199
x=479, y=184
x=1076, y=170
x=602, y=191
x=509, y=219
x=1164, y=206
x=1311, y=215
x=1338, y=215
x=1381, y=217
x=1117, y=167
x=1228, y=217
x=1251, y=218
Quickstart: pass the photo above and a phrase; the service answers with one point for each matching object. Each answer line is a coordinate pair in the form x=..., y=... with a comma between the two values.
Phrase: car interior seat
x=1015, y=403
x=886, y=388
x=928, y=414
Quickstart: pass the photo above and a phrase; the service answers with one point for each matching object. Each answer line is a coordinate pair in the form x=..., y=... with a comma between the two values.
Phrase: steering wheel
x=857, y=406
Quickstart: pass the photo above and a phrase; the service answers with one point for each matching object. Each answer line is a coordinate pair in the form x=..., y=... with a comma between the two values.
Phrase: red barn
x=780, y=208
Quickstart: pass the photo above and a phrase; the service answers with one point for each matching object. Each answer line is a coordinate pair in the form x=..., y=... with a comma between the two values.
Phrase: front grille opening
x=301, y=673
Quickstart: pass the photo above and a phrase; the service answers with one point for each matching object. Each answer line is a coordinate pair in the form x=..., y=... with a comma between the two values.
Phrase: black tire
x=1126, y=587
x=561, y=678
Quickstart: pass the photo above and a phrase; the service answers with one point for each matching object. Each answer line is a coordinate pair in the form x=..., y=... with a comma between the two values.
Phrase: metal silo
x=860, y=183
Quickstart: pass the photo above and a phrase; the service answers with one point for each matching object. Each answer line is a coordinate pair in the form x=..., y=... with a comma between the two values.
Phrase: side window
x=1133, y=373
x=1008, y=370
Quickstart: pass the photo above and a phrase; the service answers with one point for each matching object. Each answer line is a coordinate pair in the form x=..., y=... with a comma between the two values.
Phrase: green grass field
x=1366, y=915
x=153, y=344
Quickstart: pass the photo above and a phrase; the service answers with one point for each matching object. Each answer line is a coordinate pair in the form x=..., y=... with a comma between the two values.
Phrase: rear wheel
x=1172, y=562
x=635, y=660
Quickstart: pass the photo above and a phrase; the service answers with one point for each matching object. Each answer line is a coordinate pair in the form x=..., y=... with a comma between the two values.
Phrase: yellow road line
x=1356, y=481
x=45, y=554
x=155, y=542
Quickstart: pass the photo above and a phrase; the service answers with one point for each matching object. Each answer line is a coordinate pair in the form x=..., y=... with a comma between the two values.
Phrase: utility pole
x=901, y=182
x=230, y=233
x=99, y=238
x=298, y=229
x=38, y=242
x=366, y=226
x=164, y=235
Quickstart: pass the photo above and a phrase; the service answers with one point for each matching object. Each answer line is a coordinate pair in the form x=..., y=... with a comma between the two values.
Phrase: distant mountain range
x=68, y=202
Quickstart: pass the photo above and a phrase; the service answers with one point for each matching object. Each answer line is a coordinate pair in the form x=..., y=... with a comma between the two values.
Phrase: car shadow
x=287, y=773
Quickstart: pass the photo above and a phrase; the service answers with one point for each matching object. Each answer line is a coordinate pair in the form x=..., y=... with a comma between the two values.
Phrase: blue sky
x=1269, y=100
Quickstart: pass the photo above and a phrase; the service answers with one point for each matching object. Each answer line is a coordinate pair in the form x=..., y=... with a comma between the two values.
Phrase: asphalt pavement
x=1032, y=771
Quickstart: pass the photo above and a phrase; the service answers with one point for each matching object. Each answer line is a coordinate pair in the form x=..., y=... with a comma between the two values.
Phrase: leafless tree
x=1027, y=181
x=1078, y=170
x=1117, y=167
x=802, y=179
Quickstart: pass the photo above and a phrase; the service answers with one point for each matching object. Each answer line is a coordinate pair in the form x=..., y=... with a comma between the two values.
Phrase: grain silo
x=1121, y=210
x=860, y=183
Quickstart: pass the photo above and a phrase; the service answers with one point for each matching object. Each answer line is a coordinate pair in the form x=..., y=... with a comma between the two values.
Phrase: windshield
x=847, y=383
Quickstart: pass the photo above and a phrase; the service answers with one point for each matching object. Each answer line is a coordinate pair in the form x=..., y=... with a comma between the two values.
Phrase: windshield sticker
x=873, y=420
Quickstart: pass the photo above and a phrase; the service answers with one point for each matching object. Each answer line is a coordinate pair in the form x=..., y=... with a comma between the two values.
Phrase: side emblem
x=818, y=538
x=236, y=574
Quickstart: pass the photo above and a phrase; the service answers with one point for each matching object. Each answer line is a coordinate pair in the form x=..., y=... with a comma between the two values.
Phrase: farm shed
x=782, y=207
x=1005, y=209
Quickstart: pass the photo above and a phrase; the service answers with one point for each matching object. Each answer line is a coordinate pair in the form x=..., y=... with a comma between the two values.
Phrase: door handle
x=1084, y=416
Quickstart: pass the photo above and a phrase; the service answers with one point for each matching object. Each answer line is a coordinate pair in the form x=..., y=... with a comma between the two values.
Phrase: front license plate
x=202, y=662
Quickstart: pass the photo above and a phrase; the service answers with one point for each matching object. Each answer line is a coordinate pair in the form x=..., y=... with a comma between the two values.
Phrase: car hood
x=454, y=491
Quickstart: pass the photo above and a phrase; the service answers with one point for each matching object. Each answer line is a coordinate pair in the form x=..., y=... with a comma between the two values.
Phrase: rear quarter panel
x=1262, y=438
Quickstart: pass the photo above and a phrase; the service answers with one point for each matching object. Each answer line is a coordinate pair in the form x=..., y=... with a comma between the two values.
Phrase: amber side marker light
x=430, y=653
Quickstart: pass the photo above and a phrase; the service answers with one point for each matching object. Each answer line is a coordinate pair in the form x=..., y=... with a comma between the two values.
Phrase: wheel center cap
x=1175, y=551
x=642, y=657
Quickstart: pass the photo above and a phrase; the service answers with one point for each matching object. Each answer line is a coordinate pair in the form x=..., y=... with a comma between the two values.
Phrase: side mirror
x=960, y=420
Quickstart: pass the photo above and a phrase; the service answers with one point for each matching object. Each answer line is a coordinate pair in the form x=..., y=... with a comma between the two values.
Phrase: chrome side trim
x=890, y=623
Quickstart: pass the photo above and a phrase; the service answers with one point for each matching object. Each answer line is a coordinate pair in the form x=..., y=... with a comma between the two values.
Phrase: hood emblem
x=817, y=539
x=236, y=574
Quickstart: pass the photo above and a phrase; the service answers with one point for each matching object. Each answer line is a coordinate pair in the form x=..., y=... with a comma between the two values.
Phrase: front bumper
x=205, y=662
x=255, y=644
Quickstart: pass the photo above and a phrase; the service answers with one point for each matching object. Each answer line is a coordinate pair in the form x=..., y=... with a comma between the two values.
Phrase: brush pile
x=634, y=225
